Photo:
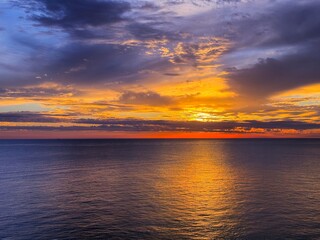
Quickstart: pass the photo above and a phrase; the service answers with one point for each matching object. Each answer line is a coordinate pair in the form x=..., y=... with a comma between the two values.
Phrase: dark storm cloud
x=293, y=33
x=144, y=98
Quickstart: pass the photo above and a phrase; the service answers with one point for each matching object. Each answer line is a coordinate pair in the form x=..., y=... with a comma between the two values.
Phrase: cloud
x=273, y=24
x=35, y=92
x=24, y=117
x=163, y=125
x=270, y=76
x=189, y=50
x=98, y=47
x=295, y=23
x=78, y=13
x=145, y=31
x=144, y=98
x=288, y=49
x=149, y=125
x=90, y=64
x=200, y=2
x=81, y=19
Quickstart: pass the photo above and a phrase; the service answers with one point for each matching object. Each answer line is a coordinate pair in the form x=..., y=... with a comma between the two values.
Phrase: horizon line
x=172, y=138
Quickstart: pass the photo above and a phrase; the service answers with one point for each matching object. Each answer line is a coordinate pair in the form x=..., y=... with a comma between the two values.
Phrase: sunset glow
x=159, y=69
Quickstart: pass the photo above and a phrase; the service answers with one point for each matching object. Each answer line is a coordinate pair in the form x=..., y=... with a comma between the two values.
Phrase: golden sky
x=165, y=69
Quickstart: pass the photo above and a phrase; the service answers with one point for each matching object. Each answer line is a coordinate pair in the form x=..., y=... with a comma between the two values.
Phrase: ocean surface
x=159, y=189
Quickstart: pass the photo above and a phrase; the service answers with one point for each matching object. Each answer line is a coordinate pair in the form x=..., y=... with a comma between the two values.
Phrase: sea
x=160, y=189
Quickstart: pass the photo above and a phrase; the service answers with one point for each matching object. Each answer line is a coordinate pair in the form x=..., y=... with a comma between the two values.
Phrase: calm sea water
x=160, y=189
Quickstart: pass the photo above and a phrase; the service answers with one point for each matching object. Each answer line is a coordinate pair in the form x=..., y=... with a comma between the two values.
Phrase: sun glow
x=204, y=117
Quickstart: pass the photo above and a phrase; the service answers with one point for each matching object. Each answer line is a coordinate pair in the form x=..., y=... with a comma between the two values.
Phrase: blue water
x=159, y=189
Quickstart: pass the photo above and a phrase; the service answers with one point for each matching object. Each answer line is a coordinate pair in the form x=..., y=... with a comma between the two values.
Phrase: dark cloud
x=145, y=31
x=163, y=125
x=272, y=24
x=81, y=19
x=144, y=98
x=291, y=38
x=149, y=6
x=93, y=51
x=78, y=13
x=151, y=125
x=295, y=23
x=172, y=74
x=85, y=64
x=88, y=64
x=200, y=2
x=28, y=117
x=271, y=75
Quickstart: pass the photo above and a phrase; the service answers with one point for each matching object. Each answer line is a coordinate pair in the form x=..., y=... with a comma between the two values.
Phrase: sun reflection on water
x=199, y=192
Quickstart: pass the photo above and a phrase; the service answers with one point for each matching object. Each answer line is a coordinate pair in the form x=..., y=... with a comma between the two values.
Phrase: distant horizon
x=171, y=138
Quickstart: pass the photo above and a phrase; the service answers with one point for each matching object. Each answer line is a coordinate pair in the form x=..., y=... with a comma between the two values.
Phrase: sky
x=159, y=69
